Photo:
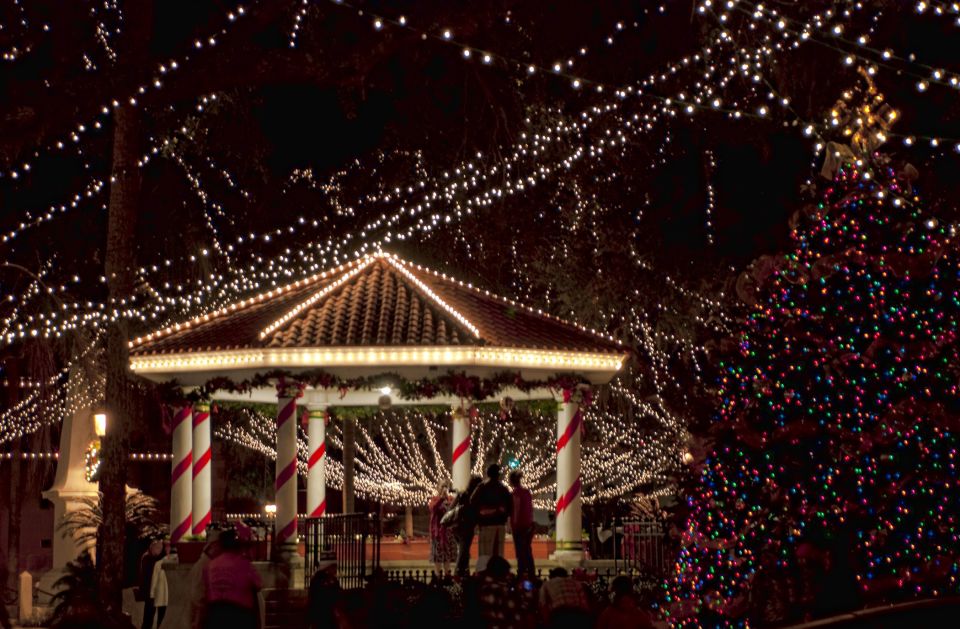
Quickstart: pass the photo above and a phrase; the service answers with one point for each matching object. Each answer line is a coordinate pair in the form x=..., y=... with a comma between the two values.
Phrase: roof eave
x=598, y=367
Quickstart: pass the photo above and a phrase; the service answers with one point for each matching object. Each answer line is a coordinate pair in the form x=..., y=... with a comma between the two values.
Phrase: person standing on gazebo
x=465, y=525
x=443, y=548
x=493, y=505
x=521, y=525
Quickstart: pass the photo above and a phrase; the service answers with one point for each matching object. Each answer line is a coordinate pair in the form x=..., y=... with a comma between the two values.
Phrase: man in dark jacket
x=492, y=504
x=464, y=528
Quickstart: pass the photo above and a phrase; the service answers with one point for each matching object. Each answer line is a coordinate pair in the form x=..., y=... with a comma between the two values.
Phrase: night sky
x=411, y=95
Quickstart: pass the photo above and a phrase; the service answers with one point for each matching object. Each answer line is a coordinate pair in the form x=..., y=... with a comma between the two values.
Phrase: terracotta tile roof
x=378, y=300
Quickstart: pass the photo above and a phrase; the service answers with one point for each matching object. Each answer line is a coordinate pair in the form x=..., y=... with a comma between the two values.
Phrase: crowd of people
x=494, y=598
x=483, y=510
x=224, y=587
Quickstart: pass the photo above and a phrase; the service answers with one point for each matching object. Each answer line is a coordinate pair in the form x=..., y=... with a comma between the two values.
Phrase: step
x=286, y=609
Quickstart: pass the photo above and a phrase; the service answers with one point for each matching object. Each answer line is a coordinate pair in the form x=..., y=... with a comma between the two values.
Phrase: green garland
x=544, y=408
x=457, y=384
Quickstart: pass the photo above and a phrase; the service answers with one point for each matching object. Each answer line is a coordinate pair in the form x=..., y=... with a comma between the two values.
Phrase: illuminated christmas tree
x=832, y=479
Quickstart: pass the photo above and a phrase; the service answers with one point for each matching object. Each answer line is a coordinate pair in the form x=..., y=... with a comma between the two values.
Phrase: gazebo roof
x=377, y=311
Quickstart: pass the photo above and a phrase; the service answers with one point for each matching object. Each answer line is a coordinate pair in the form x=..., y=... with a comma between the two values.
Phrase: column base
x=568, y=554
x=291, y=567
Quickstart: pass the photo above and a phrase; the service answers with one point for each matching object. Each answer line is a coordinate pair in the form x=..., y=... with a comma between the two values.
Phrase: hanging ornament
x=384, y=402
x=837, y=155
x=506, y=405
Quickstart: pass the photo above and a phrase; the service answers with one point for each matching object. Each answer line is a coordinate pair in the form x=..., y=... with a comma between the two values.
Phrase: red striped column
x=316, y=462
x=461, y=448
x=201, y=468
x=286, y=476
x=569, y=427
x=181, y=480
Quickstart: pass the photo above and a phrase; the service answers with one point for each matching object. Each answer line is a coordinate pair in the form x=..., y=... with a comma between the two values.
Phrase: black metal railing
x=261, y=530
x=643, y=546
x=600, y=578
x=352, y=539
x=638, y=545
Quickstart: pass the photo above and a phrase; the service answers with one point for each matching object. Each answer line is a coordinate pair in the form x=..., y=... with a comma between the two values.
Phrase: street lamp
x=100, y=423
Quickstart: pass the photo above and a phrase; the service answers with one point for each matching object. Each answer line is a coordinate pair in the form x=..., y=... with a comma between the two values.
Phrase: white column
x=70, y=486
x=201, y=469
x=286, y=470
x=569, y=524
x=181, y=483
x=316, y=463
x=461, y=448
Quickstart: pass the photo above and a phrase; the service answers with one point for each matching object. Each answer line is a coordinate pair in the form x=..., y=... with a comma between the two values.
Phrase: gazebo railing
x=643, y=546
x=352, y=539
x=635, y=544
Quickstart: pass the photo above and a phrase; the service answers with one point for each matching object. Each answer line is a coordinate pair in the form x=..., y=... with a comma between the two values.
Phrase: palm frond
x=83, y=523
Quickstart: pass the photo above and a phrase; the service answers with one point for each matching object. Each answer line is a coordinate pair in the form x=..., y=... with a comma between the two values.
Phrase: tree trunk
x=119, y=266
x=16, y=509
x=119, y=269
x=12, y=369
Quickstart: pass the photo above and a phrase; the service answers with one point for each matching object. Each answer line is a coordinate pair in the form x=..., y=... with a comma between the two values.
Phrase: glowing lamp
x=270, y=509
x=100, y=423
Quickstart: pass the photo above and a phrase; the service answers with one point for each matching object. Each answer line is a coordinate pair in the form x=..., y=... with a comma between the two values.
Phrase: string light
x=247, y=275
x=104, y=34
x=158, y=457
x=398, y=461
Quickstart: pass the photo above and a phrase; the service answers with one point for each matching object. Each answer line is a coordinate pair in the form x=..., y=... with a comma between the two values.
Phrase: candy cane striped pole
x=569, y=523
x=201, y=469
x=181, y=482
x=461, y=449
x=286, y=475
x=316, y=462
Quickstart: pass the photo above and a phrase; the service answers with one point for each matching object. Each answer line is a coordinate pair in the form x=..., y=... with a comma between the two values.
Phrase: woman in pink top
x=230, y=587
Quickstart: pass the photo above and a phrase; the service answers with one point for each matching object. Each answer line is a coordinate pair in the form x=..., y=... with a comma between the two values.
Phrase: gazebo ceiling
x=378, y=313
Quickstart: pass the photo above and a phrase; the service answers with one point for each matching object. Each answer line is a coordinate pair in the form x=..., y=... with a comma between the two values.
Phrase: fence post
x=26, y=596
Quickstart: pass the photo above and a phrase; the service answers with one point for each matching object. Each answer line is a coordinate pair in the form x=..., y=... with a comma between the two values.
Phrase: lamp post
x=271, y=515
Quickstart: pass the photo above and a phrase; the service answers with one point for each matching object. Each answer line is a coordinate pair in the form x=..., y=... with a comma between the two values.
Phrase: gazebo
x=377, y=326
